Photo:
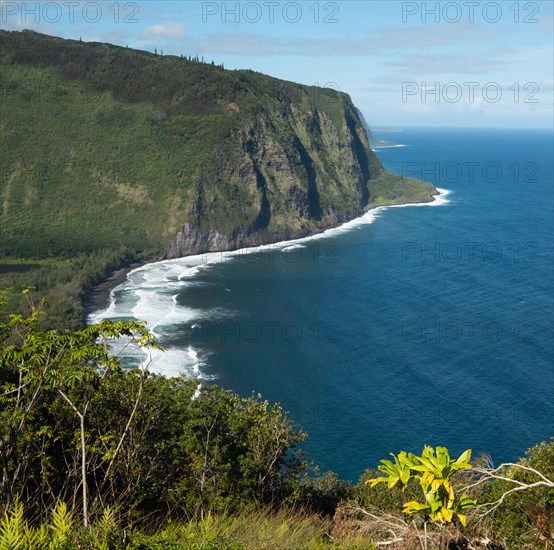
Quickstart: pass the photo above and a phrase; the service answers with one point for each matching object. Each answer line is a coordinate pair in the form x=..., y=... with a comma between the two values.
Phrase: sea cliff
x=105, y=146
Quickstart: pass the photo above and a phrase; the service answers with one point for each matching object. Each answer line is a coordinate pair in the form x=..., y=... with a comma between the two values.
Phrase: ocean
x=413, y=325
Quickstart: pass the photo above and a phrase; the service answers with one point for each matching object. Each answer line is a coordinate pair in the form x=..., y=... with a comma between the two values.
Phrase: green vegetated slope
x=104, y=146
x=111, y=155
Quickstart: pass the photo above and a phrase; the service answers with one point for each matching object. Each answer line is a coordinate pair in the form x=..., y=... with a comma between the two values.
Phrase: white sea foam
x=150, y=294
x=377, y=147
x=197, y=392
x=365, y=219
x=293, y=247
x=159, y=308
x=440, y=200
x=176, y=362
x=188, y=273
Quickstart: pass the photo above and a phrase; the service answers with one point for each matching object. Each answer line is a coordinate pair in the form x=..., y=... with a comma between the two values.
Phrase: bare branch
x=77, y=412
x=389, y=542
x=488, y=474
x=127, y=427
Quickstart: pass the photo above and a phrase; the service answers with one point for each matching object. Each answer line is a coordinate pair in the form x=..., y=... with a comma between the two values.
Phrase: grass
x=251, y=528
x=267, y=529
x=387, y=189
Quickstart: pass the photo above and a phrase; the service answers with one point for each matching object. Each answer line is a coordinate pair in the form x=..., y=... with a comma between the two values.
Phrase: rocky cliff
x=108, y=146
x=290, y=170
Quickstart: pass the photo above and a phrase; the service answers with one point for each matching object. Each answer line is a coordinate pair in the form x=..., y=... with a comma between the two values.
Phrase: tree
x=78, y=428
x=35, y=367
x=239, y=451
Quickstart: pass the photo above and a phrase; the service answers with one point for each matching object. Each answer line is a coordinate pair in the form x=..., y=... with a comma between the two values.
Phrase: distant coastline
x=99, y=297
x=389, y=146
x=387, y=130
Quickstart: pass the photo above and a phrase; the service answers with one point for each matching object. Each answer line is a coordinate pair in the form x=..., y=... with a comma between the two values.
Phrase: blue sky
x=466, y=63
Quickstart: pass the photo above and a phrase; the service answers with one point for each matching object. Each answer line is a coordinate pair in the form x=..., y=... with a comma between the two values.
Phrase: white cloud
x=165, y=31
x=449, y=63
x=377, y=42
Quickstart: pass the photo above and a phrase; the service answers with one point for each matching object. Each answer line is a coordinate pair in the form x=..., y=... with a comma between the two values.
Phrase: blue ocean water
x=414, y=325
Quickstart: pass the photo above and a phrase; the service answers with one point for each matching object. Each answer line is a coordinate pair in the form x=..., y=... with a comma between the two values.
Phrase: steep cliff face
x=105, y=146
x=287, y=173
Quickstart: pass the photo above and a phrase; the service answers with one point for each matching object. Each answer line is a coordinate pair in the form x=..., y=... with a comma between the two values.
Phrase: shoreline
x=99, y=297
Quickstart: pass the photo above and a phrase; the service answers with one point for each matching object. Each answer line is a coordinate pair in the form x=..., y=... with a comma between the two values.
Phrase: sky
x=404, y=63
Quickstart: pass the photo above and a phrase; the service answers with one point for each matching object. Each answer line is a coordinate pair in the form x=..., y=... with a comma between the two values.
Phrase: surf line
x=147, y=283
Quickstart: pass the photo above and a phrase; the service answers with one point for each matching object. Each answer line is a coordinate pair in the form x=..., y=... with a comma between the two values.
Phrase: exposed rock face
x=191, y=240
x=294, y=173
x=169, y=157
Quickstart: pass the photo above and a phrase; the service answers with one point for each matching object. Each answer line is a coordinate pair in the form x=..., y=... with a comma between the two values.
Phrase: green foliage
x=386, y=189
x=434, y=473
x=252, y=527
x=397, y=472
x=14, y=532
x=106, y=532
x=17, y=534
x=62, y=526
x=131, y=145
x=322, y=494
x=525, y=518
x=239, y=450
x=64, y=284
x=380, y=496
x=72, y=421
x=46, y=378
